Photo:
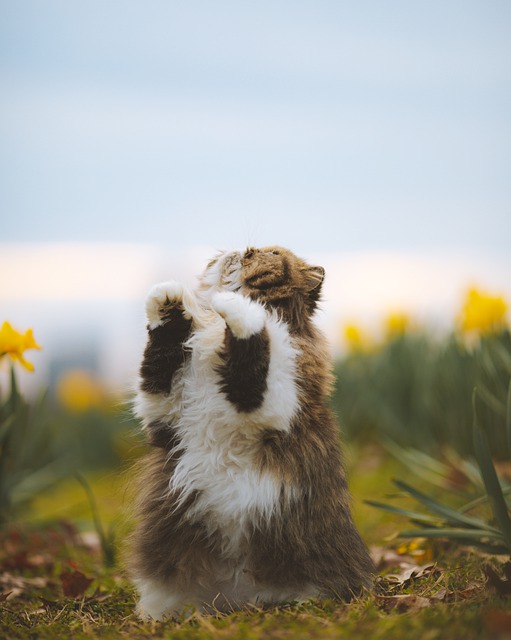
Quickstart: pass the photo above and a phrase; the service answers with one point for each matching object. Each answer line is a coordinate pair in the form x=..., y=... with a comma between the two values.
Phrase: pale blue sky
x=321, y=125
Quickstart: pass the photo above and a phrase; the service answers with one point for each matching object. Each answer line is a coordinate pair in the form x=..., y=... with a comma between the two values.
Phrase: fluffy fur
x=243, y=497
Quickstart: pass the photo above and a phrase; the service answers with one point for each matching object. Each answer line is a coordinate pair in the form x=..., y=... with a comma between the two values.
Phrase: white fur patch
x=224, y=274
x=158, y=600
x=218, y=444
x=243, y=316
x=173, y=293
x=226, y=590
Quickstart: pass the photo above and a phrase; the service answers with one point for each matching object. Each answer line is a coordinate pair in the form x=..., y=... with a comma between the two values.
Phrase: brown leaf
x=441, y=595
x=413, y=572
x=502, y=586
x=402, y=603
x=507, y=570
x=471, y=589
x=18, y=585
x=386, y=558
x=74, y=583
x=4, y=596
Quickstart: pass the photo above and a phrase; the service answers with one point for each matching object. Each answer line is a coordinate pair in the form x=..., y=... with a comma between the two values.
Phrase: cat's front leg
x=169, y=309
x=245, y=352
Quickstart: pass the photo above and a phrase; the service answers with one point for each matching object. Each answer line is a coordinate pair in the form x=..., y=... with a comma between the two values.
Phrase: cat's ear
x=314, y=277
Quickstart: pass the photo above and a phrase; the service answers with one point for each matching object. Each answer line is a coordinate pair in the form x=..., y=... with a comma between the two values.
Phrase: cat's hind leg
x=158, y=600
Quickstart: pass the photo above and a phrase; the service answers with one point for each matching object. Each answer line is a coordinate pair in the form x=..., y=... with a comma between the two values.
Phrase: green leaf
x=453, y=532
x=504, y=355
x=490, y=478
x=411, y=515
x=14, y=396
x=481, y=500
x=491, y=400
x=458, y=536
x=6, y=426
x=508, y=418
x=33, y=483
x=450, y=515
x=106, y=540
x=413, y=458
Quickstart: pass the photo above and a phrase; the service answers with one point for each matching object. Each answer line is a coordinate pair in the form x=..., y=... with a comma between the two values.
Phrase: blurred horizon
x=85, y=301
x=136, y=139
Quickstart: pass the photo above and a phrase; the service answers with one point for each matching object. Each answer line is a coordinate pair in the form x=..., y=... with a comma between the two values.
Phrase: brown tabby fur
x=311, y=543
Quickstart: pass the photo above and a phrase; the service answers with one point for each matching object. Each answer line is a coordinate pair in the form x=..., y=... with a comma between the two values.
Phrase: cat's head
x=272, y=275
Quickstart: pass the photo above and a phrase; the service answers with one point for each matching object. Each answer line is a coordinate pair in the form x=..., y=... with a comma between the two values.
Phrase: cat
x=243, y=497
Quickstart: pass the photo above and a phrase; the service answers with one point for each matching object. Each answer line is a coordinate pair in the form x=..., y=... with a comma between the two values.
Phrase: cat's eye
x=272, y=253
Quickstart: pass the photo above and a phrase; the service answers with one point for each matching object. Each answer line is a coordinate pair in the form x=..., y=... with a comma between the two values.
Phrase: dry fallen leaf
x=412, y=572
x=74, y=583
x=18, y=585
x=502, y=585
x=402, y=603
x=385, y=558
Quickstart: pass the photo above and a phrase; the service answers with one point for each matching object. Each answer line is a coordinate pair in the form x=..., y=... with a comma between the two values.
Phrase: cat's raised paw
x=163, y=299
x=243, y=316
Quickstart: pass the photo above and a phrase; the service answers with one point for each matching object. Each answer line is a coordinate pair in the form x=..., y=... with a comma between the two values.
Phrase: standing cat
x=243, y=497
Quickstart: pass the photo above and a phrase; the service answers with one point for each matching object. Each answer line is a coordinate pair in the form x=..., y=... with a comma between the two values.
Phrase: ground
x=54, y=582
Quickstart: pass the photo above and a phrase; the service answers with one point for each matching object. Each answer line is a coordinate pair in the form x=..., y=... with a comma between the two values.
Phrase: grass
x=448, y=597
x=55, y=581
x=416, y=390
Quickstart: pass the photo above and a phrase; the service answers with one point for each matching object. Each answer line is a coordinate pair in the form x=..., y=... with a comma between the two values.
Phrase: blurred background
x=138, y=138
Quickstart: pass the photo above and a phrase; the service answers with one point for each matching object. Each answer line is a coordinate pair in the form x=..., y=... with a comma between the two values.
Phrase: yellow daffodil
x=483, y=313
x=79, y=391
x=356, y=339
x=14, y=344
x=396, y=324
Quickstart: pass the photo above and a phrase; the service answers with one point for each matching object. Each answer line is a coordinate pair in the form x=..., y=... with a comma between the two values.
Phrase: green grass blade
x=508, y=418
x=107, y=545
x=487, y=547
x=491, y=400
x=490, y=478
x=453, y=532
x=481, y=500
x=6, y=426
x=504, y=355
x=411, y=515
x=422, y=464
x=14, y=395
x=450, y=515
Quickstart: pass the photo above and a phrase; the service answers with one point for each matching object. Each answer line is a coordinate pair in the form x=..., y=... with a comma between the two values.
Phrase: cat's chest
x=231, y=490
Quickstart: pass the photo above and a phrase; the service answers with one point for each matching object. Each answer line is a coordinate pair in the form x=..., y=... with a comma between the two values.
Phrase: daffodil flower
x=14, y=344
x=483, y=313
x=356, y=339
x=397, y=324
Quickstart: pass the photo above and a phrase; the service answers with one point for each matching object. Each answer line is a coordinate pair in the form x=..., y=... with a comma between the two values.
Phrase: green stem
x=106, y=543
x=490, y=478
x=5, y=450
